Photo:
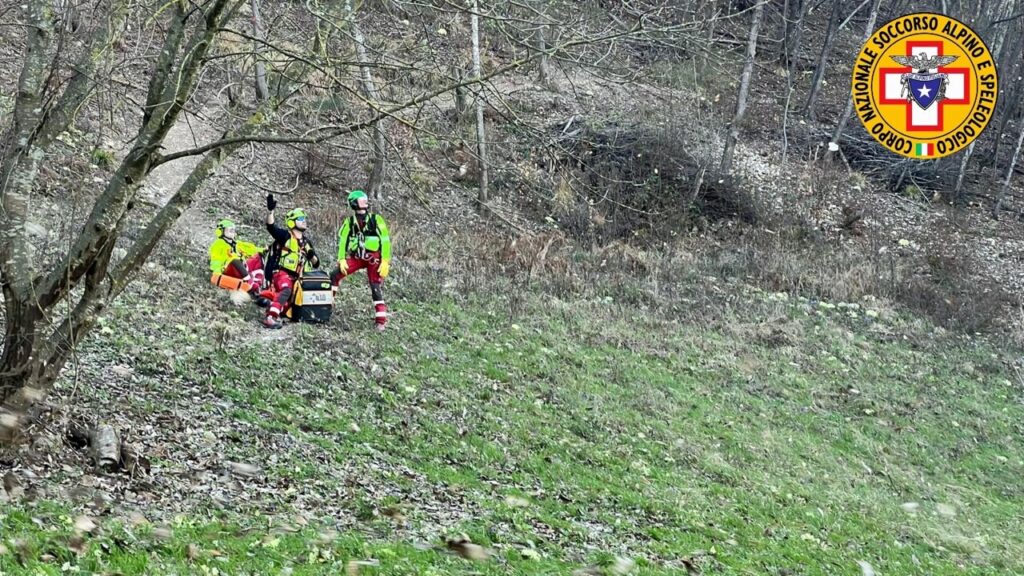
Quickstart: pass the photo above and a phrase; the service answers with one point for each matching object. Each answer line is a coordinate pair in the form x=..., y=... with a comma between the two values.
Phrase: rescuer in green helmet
x=364, y=242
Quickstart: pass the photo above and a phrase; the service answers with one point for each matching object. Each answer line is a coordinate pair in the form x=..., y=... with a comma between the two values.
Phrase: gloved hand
x=385, y=268
x=314, y=259
x=271, y=203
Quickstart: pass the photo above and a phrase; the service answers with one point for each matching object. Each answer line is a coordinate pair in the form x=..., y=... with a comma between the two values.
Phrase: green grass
x=780, y=439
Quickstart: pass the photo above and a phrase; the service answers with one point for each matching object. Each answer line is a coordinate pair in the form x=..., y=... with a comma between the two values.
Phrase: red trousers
x=281, y=284
x=351, y=265
x=250, y=270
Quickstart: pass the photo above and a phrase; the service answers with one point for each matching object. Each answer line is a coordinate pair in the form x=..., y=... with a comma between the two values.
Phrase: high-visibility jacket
x=372, y=236
x=289, y=250
x=291, y=253
x=223, y=251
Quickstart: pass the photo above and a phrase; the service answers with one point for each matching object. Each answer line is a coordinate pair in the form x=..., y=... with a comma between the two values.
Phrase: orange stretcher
x=229, y=282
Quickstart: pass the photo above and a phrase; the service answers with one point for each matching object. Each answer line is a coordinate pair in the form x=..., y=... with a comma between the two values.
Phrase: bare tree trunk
x=712, y=16
x=1009, y=171
x=958, y=196
x=783, y=47
x=841, y=125
x=793, y=15
x=791, y=46
x=373, y=185
x=819, y=70
x=262, y=92
x=794, y=20
x=1009, y=103
x=1003, y=9
x=461, y=94
x=544, y=67
x=785, y=117
x=481, y=145
x=1010, y=64
x=741, y=98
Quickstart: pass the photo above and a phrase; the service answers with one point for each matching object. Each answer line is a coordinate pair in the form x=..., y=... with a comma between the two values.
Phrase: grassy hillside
x=781, y=436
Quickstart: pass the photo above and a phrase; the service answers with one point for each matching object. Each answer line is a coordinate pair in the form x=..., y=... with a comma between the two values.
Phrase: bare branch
x=334, y=132
x=116, y=197
x=83, y=82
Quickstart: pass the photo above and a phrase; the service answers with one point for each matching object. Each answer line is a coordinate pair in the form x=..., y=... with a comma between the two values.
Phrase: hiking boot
x=261, y=301
x=271, y=322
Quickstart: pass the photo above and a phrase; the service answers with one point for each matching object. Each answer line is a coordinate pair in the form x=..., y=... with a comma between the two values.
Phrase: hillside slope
x=750, y=433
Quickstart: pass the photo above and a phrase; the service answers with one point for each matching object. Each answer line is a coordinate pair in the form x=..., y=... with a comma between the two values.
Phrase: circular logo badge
x=925, y=85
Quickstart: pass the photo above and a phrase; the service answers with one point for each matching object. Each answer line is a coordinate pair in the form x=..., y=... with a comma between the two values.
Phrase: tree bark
x=376, y=179
x=262, y=91
x=165, y=62
x=819, y=70
x=481, y=145
x=21, y=162
x=841, y=125
x=712, y=16
x=793, y=27
x=741, y=99
x=1010, y=65
x=461, y=94
x=544, y=66
x=1009, y=171
x=958, y=196
x=794, y=16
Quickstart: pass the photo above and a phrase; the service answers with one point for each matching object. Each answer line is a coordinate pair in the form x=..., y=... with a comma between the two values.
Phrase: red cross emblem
x=918, y=120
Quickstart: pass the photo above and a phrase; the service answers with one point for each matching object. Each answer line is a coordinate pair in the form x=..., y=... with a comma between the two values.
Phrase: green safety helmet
x=224, y=225
x=294, y=216
x=354, y=197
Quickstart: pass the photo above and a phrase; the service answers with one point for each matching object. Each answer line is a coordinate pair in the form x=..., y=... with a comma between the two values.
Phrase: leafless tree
x=481, y=141
x=262, y=91
x=793, y=25
x=1003, y=10
x=964, y=160
x=1011, y=65
x=376, y=179
x=826, y=49
x=998, y=205
x=741, y=99
x=841, y=125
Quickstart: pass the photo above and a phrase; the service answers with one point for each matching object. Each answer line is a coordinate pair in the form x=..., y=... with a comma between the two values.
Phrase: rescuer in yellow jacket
x=236, y=258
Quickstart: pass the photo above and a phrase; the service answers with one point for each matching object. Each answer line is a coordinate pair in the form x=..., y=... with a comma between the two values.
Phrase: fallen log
x=106, y=447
